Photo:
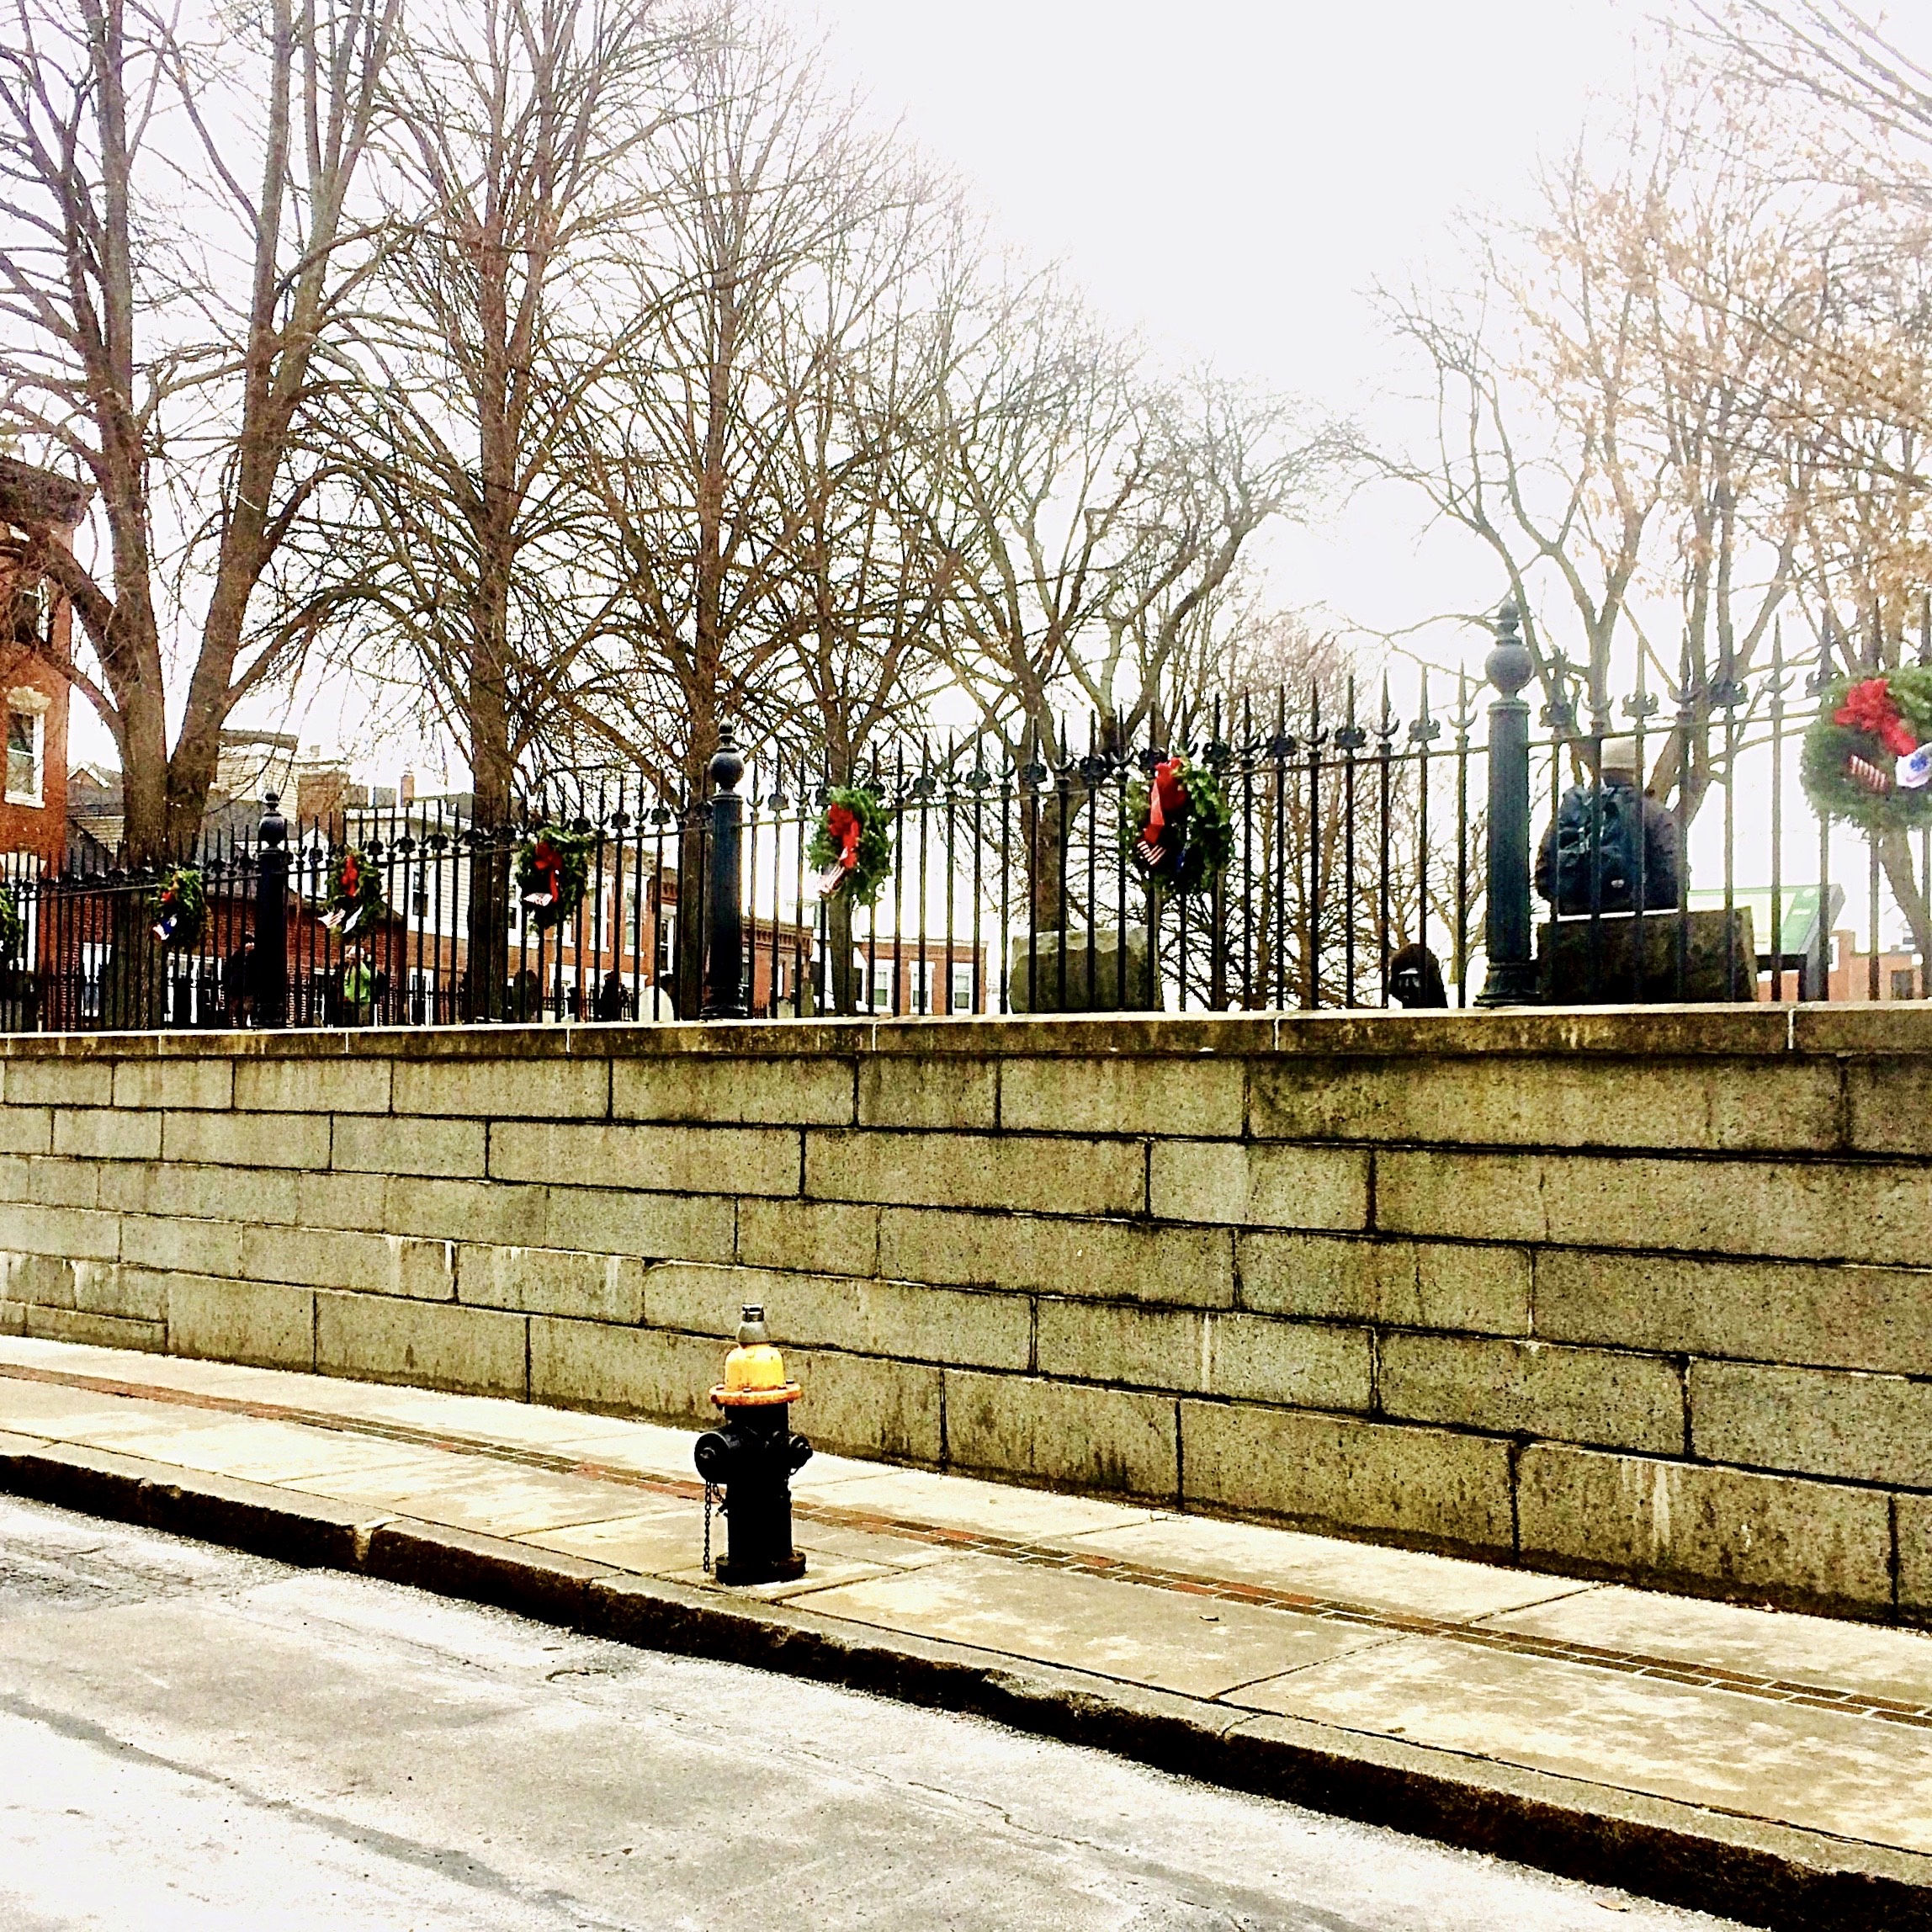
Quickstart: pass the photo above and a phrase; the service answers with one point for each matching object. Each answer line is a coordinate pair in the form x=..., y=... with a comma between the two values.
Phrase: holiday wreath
x=1184, y=835
x=552, y=871
x=852, y=848
x=178, y=907
x=1868, y=753
x=355, y=897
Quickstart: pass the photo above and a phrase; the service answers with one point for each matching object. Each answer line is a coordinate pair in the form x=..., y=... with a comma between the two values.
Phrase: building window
x=882, y=985
x=962, y=989
x=26, y=736
x=1904, y=984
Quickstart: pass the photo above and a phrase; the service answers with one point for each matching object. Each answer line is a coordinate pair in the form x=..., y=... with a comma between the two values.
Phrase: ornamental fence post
x=724, y=942
x=1511, y=979
x=270, y=965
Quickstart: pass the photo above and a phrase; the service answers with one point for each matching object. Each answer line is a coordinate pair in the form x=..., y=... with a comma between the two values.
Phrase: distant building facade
x=36, y=640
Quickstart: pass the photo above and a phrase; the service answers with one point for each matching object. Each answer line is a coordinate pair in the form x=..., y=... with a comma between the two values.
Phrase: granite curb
x=1776, y=1877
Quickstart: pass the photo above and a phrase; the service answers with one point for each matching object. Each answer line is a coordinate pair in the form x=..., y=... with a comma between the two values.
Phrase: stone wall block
x=424, y=1270
x=95, y=1330
x=805, y=1092
x=659, y=1226
x=1824, y=1422
x=107, y=1134
x=551, y=1281
x=863, y=1405
x=26, y=1129
x=1396, y=1282
x=58, y=1082
x=268, y=1323
x=1915, y=1558
x=1773, y=1537
x=1609, y=1398
x=316, y=1085
x=1136, y=1096
x=822, y=1237
x=1274, y=1186
x=899, y=1319
x=1410, y=1485
x=953, y=1092
x=1109, y=1341
x=1804, y=1211
x=1037, y=1174
x=45, y=1279
x=1559, y=1101
x=198, y=1083
x=247, y=1140
x=340, y=1200
x=1112, y=1260
x=671, y=1160
x=623, y=1371
x=49, y=1181
x=12, y=1317
x=407, y=1144
x=73, y=1234
x=1885, y=1105
x=169, y=1243
x=381, y=1338
x=509, y=1089
x=1062, y=1432
x=464, y=1210
x=1826, y=1316
x=1308, y=1365
x=265, y=1195
x=113, y=1288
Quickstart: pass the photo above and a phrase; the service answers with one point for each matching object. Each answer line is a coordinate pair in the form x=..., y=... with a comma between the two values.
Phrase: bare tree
x=165, y=316
x=732, y=437
x=510, y=179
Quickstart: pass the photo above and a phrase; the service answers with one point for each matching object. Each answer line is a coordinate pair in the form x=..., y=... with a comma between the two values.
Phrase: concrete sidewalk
x=1771, y=1767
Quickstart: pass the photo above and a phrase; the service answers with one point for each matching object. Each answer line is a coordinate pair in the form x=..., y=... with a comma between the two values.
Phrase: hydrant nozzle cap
x=754, y=1364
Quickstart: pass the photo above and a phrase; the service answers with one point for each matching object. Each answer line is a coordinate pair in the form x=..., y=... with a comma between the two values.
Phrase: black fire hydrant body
x=752, y=1456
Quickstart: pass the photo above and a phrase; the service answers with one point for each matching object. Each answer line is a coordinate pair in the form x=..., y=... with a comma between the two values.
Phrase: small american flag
x=1864, y=772
x=1149, y=853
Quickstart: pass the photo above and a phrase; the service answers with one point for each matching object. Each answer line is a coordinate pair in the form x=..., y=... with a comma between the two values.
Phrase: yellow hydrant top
x=754, y=1371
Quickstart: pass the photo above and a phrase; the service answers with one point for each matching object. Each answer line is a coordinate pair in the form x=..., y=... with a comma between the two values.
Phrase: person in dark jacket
x=1614, y=832
x=1415, y=977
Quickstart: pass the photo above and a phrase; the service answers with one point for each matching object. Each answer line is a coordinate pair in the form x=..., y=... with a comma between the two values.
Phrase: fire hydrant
x=752, y=1457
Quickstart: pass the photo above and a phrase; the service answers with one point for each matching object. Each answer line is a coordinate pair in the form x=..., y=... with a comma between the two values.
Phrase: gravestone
x=1716, y=967
x=1035, y=982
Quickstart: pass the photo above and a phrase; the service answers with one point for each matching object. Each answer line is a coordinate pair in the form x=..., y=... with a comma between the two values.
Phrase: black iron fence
x=1371, y=852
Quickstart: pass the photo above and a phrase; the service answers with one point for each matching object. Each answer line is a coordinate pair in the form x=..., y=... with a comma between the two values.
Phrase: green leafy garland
x=12, y=928
x=553, y=868
x=355, y=899
x=1194, y=844
x=1866, y=727
x=179, y=907
x=854, y=825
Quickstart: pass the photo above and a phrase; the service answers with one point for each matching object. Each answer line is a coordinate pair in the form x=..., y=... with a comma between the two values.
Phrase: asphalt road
x=193, y=1739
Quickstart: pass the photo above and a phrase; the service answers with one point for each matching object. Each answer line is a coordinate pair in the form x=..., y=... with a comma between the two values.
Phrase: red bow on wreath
x=1165, y=797
x=547, y=863
x=841, y=822
x=352, y=876
x=166, y=927
x=1869, y=707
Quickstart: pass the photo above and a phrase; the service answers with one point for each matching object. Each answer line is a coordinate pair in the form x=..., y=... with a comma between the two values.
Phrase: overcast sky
x=1233, y=177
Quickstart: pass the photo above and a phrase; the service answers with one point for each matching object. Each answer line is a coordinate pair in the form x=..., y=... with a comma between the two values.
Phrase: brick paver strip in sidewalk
x=1811, y=1819
x=1522, y=1643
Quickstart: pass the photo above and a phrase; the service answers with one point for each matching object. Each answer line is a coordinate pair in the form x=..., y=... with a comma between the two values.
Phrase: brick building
x=35, y=638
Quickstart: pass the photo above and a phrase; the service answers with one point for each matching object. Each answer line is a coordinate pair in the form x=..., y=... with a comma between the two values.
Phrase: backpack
x=1618, y=848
